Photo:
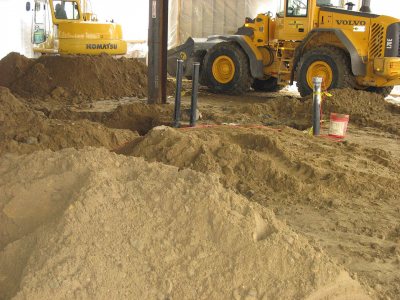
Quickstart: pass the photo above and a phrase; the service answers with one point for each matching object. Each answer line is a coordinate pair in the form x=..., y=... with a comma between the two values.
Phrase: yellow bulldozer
x=68, y=27
x=305, y=39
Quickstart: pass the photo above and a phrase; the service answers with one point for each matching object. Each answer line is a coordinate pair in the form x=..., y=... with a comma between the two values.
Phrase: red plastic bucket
x=338, y=125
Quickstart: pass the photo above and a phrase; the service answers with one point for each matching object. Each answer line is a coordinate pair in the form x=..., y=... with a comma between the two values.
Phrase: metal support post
x=178, y=93
x=195, y=91
x=317, y=98
x=157, y=55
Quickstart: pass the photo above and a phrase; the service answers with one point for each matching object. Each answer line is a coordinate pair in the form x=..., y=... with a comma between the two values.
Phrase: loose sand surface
x=247, y=205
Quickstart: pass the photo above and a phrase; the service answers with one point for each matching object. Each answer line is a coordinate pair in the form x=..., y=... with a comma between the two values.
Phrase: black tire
x=242, y=79
x=384, y=91
x=338, y=61
x=268, y=85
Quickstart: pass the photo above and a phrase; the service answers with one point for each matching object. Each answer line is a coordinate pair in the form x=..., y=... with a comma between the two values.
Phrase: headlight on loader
x=387, y=67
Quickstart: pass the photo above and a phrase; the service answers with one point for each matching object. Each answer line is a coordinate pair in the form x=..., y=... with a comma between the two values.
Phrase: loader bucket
x=184, y=52
x=193, y=50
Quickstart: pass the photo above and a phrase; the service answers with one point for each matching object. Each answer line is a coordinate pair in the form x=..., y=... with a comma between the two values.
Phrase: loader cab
x=294, y=19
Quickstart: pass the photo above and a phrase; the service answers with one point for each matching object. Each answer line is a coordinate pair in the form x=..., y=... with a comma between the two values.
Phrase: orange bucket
x=338, y=125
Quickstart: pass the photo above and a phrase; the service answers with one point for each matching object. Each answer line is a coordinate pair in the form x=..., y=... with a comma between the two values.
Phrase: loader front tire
x=226, y=69
x=330, y=63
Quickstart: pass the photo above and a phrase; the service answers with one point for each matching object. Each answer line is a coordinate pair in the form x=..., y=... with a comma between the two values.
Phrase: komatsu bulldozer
x=67, y=27
x=305, y=39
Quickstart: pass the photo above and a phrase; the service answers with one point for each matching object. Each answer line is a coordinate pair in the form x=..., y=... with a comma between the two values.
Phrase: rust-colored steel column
x=157, y=55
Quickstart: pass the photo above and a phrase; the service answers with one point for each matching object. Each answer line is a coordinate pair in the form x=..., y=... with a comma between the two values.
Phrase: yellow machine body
x=366, y=34
x=79, y=33
x=279, y=46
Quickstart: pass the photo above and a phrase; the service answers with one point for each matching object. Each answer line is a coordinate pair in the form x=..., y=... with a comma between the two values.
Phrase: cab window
x=296, y=8
x=281, y=9
x=66, y=10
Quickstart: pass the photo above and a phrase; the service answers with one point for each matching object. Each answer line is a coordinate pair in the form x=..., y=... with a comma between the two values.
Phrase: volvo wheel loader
x=303, y=40
x=67, y=27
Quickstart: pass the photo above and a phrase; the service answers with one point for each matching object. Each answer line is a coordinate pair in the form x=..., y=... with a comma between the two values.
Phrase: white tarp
x=201, y=18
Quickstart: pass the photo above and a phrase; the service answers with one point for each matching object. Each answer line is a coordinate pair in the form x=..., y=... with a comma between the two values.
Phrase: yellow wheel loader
x=305, y=39
x=66, y=27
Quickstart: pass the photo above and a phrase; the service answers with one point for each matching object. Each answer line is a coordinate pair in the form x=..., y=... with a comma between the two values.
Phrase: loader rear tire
x=226, y=69
x=328, y=62
x=268, y=85
x=384, y=91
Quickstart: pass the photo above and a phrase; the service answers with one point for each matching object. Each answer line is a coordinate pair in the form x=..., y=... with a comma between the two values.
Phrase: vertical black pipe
x=317, y=97
x=164, y=50
x=153, y=75
x=195, y=91
x=157, y=53
x=178, y=93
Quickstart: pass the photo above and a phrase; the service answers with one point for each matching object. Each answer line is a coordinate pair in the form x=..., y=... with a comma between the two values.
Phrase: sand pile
x=276, y=162
x=13, y=66
x=364, y=108
x=25, y=130
x=66, y=77
x=349, y=194
x=109, y=226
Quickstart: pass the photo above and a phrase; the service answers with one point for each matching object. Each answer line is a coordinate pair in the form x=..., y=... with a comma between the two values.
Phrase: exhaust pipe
x=366, y=6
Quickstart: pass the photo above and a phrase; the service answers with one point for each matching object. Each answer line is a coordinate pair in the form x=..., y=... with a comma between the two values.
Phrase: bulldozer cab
x=296, y=18
x=295, y=22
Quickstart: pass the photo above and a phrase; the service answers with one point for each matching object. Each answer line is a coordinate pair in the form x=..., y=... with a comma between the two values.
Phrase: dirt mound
x=65, y=77
x=25, y=130
x=110, y=226
x=253, y=159
x=336, y=185
x=13, y=66
x=364, y=108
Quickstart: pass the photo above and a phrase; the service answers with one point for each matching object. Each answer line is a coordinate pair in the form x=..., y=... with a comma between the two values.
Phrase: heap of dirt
x=13, y=66
x=68, y=77
x=110, y=226
x=364, y=108
x=349, y=193
x=24, y=130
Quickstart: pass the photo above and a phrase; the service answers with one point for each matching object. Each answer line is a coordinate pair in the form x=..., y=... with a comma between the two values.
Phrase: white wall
x=15, y=25
x=131, y=14
x=386, y=7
